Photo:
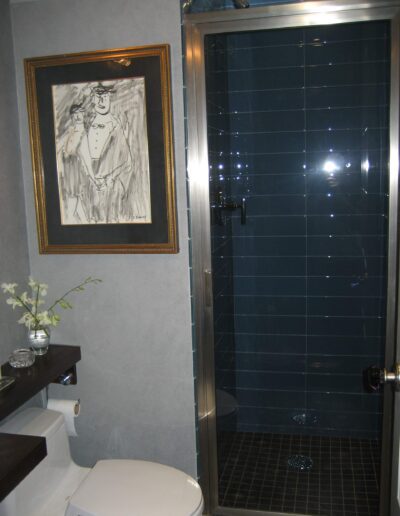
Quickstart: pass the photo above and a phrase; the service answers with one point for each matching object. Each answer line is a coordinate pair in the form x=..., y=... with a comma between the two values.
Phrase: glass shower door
x=297, y=124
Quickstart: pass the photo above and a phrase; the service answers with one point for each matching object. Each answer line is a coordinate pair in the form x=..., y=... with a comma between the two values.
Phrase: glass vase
x=39, y=339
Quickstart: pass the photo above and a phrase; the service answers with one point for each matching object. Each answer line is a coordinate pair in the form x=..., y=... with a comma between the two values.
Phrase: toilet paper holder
x=69, y=377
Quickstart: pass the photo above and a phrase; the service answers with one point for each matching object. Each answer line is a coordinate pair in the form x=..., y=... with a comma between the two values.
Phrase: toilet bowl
x=58, y=487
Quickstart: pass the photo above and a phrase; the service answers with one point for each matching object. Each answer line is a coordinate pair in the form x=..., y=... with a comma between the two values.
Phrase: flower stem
x=36, y=302
x=86, y=282
x=27, y=308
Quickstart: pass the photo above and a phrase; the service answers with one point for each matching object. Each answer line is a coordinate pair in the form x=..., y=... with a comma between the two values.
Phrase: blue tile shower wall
x=223, y=280
x=297, y=124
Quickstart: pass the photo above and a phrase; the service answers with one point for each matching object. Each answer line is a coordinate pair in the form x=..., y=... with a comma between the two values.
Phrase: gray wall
x=135, y=380
x=14, y=265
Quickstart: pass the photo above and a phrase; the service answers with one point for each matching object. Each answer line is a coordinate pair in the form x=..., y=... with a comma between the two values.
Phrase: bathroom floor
x=343, y=479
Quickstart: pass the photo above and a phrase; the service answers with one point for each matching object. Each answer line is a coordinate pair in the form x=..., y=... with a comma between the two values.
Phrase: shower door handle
x=375, y=377
x=222, y=204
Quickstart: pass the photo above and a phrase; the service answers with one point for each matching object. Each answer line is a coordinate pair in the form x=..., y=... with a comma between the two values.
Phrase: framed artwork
x=102, y=152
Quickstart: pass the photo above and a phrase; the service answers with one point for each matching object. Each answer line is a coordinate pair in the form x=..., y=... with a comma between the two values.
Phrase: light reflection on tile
x=298, y=126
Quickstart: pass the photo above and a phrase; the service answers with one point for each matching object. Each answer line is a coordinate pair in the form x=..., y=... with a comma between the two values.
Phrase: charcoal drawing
x=102, y=152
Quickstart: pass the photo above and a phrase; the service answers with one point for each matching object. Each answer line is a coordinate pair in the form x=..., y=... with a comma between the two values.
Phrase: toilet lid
x=136, y=488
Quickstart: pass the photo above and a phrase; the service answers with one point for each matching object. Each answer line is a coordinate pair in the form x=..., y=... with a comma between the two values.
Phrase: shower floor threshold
x=254, y=474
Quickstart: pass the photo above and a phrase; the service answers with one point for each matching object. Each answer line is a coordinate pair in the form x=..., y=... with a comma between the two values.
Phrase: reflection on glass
x=299, y=291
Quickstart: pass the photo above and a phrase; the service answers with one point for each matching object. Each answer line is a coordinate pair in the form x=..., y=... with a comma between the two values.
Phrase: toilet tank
x=39, y=486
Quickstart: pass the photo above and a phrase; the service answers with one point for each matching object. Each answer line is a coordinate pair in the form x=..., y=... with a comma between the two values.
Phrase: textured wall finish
x=135, y=379
x=14, y=249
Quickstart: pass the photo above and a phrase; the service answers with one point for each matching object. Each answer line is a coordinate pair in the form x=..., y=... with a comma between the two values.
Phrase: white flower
x=9, y=288
x=13, y=302
x=27, y=319
x=32, y=283
x=43, y=289
x=43, y=318
x=55, y=319
x=25, y=299
x=31, y=317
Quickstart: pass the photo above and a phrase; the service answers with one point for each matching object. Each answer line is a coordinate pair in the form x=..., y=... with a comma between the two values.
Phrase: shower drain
x=300, y=462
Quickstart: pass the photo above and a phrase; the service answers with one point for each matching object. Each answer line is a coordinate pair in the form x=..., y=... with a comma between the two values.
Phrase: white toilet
x=58, y=487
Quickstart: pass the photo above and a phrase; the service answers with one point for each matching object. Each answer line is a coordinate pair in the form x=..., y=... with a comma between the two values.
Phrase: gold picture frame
x=102, y=151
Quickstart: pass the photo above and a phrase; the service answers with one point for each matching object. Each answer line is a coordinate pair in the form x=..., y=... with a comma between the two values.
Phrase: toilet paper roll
x=70, y=409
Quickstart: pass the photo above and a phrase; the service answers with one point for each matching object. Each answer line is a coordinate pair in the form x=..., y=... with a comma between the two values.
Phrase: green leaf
x=64, y=304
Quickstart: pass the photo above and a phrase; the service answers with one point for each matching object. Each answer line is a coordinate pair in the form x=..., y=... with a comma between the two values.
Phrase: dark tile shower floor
x=343, y=481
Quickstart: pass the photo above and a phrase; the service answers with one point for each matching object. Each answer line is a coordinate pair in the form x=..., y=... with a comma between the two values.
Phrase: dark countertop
x=31, y=380
x=19, y=454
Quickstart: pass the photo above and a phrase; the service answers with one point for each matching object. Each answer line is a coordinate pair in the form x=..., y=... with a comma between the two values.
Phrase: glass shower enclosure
x=294, y=183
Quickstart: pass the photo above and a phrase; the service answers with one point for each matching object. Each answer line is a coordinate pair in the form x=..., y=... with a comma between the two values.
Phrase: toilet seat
x=136, y=488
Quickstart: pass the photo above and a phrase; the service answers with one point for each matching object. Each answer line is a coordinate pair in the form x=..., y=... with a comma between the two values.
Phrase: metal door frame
x=320, y=12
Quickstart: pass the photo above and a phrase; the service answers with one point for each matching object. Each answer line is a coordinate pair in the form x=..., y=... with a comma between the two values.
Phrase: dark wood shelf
x=19, y=454
x=31, y=380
